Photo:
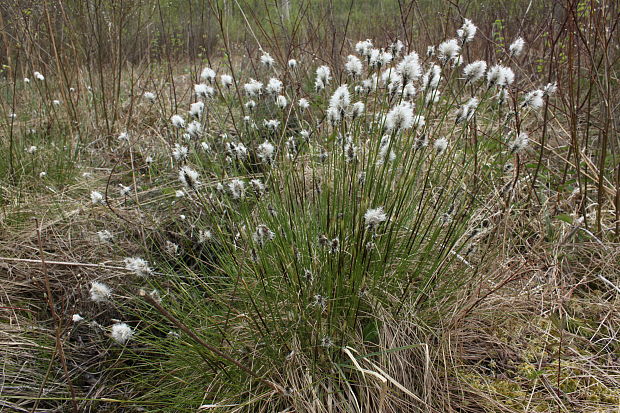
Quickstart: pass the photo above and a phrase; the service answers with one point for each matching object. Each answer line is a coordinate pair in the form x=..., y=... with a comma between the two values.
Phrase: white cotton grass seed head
x=96, y=197
x=138, y=266
x=196, y=109
x=124, y=190
x=431, y=78
x=253, y=88
x=76, y=318
x=533, y=99
x=99, y=291
x=274, y=86
x=303, y=104
x=500, y=76
x=226, y=81
x=149, y=97
x=550, y=89
x=180, y=152
x=194, y=129
x=374, y=217
x=271, y=124
x=39, y=76
x=189, y=177
x=364, y=47
x=31, y=149
x=204, y=91
x=397, y=47
x=516, y=47
x=105, y=235
x=208, y=75
x=353, y=66
x=177, y=121
x=467, y=32
x=292, y=63
x=399, y=118
x=520, y=143
x=340, y=100
x=204, y=235
x=475, y=71
x=409, y=68
x=281, y=102
x=237, y=188
x=121, y=333
x=448, y=50
x=265, y=152
x=441, y=145
x=357, y=110
x=467, y=111
x=409, y=92
x=262, y=235
x=323, y=74
x=267, y=60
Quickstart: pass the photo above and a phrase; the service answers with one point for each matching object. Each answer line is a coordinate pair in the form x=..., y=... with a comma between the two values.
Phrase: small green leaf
x=564, y=217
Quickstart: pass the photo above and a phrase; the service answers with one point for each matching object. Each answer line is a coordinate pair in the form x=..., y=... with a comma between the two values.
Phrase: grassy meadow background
x=401, y=255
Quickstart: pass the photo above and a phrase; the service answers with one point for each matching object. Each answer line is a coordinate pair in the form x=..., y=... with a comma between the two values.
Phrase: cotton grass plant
x=329, y=211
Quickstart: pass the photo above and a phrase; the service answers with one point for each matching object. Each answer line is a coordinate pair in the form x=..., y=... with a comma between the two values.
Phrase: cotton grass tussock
x=278, y=172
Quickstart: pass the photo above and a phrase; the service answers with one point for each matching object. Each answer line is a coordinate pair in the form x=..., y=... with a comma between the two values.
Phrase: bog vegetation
x=302, y=206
